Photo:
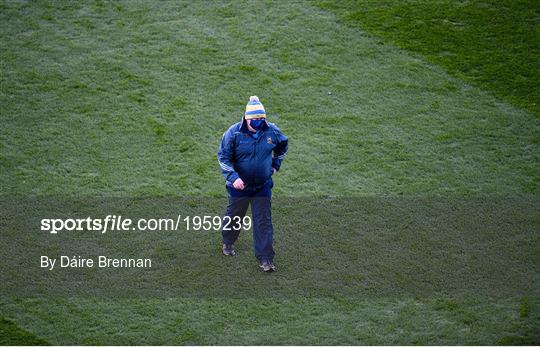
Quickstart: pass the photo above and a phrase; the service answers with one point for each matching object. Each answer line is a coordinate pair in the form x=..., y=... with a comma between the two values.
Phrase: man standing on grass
x=251, y=151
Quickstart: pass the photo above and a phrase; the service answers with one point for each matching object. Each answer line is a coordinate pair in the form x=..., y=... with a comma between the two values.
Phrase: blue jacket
x=251, y=159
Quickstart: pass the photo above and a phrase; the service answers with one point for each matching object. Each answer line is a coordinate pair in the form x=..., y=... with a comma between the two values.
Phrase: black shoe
x=268, y=266
x=228, y=249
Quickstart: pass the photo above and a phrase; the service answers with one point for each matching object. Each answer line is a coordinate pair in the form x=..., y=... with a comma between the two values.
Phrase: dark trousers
x=263, y=231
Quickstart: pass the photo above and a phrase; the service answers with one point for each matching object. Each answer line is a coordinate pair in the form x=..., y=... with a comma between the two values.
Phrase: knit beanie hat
x=254, y=108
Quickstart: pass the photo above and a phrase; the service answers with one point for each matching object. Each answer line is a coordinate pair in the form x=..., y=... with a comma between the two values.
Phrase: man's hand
x=238, y=184
x=274, y=170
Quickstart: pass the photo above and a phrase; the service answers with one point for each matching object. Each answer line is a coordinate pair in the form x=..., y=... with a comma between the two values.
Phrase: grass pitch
x=130, y=99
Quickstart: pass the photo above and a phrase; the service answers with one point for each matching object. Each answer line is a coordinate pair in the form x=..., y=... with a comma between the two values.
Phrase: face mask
x=257, y=123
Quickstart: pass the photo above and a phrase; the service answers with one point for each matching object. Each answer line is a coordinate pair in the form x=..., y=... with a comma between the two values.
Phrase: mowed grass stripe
x=493, y=44
x=132, y=99
x=13, y=335
x=276, y=322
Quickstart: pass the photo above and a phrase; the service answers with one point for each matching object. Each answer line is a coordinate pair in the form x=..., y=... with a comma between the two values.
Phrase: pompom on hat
x=254, y=108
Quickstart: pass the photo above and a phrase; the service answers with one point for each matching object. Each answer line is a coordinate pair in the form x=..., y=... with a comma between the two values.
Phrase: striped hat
x=254, y=108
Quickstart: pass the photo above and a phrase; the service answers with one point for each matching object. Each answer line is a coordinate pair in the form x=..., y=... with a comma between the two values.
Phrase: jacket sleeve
x=225, y=156
x=280, y=150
